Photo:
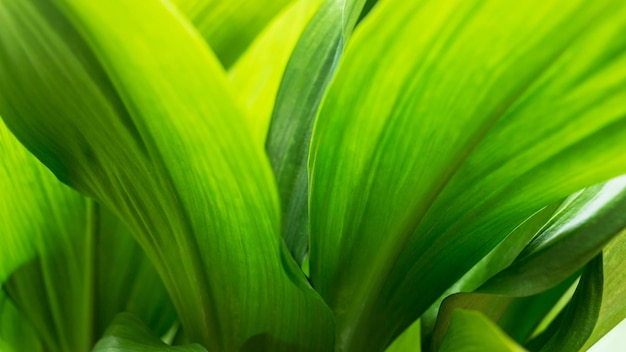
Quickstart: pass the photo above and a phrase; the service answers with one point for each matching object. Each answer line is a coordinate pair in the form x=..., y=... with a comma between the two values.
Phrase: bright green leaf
x=230, y=26
x=156, y=135
x=446, y=125
x=258, y=73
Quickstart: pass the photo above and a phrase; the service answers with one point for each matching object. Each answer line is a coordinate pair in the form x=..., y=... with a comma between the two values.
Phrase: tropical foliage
x=311, y=175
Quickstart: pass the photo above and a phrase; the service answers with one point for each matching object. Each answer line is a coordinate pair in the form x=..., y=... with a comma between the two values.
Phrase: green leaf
x=574, y=325
x=307, y=75
x=499, y=258
x=127, y=333
x=66, y=285
x=16, y=334
x=230, y=26
x=445, y=127
x=471, y=331
x=42, y=223
x=154, y=134
x=409, y=340
x=576, y=234
x=518, y=317
x=258, y=73
x=613, y=307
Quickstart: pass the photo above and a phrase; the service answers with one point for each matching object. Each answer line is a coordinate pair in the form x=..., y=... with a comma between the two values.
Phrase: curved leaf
x=445, y=127
x=307, y=75
x=576, y=234
x=613, y=306
x=127, y=333
x=574, y=325
x=258, y=73
x=230, y=26
x=168, y=156
x=471, y=331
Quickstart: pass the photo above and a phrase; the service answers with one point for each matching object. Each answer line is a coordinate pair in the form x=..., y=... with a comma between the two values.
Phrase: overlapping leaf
x=81, y=266
x=258, y=73
x=157, y=136
x=230, y=26
x=127, y=333
x=471, y=331
x=446, y=126
x=307, y=75
x=612, y=309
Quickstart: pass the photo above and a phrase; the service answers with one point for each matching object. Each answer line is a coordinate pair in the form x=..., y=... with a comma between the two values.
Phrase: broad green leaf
x=230, y=26
x=575, y=235
x=445, y=127
x=613, y=308
x=154, y=133
x=127, y=333
x=307, y=75
x=257, y=74
x=471, y=331
x=574, y=325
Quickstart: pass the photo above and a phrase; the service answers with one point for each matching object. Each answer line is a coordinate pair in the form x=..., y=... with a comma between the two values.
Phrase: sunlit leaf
x=155, y=134
x=258, y=73
x=446, y=125
x=230, y=26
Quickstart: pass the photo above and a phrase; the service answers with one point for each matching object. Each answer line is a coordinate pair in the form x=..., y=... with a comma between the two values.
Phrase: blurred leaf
x=168, y=156
x=577, y=233
x=42, y=223
x=16, y=333
x=446, y=125
x=230, y=26
x=308, y=73
x=408, y=341
x=257, y=74
x=471, y=331
x=127, y=333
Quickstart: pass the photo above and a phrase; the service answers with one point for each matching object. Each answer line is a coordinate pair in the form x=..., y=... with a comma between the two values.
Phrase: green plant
x=433, y=167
